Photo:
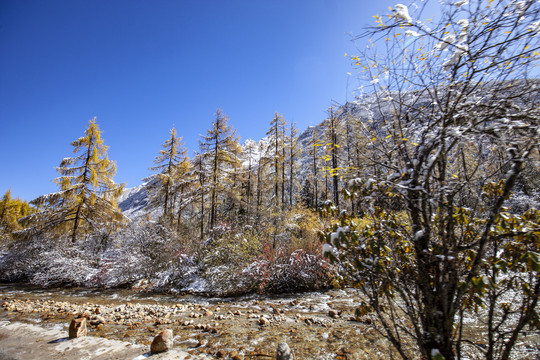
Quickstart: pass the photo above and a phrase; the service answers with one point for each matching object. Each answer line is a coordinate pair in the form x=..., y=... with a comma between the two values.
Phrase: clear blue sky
x=142, y=67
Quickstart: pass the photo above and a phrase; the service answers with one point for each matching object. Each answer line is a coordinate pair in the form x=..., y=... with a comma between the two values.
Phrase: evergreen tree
x=87, y=197
x=306, y=194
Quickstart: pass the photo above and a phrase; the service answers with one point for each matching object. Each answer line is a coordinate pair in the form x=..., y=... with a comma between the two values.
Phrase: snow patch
x=402, y=13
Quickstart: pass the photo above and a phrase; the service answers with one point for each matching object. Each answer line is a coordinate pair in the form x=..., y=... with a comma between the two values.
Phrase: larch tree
x=87, y=197
x=201, y=190
x=11, y=210
x=237, y=178
x=332, y=134
x=216, y=148
x=313, y=150
x=448, y=94
x=184, y=188
x=264, y=162
x=250, y=178
x=277, y=151
x=171, y=164
x=294, y=152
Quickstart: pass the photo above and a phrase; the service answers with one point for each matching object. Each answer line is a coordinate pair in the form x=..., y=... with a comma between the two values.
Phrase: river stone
x=235, y=355
x=77, y=328
x=283, y=352
x=162, y=342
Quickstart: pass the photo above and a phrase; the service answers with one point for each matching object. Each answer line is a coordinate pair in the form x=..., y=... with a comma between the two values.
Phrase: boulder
x=284, y=352
x=162, y=342
x=77, y=328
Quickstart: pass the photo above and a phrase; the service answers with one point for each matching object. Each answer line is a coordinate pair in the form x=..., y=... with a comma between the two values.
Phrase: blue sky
x=142, y=67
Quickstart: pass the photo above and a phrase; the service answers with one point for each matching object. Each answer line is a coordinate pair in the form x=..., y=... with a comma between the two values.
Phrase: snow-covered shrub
x=46, y=262
x=302, y=272
x=141, y=251
x=223, y=258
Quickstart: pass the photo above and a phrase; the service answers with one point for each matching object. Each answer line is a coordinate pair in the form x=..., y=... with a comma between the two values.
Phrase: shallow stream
x=315, y=325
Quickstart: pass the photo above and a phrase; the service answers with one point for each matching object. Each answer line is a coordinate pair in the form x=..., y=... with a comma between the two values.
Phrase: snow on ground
x=28, y=342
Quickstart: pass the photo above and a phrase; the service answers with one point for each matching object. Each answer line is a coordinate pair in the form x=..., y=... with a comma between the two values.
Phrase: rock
x=333, y=313
x=235, y=355
x=77, y=328
x=96, y=320
x=283, y=352
x=220, y=354
x=263, y=321
x=162, y=342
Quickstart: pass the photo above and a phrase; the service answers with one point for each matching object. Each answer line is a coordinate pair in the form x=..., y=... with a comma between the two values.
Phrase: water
x=205, y=325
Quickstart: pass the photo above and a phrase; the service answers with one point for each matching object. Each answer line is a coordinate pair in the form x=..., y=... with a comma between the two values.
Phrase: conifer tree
x=201, y=191
x=332, y=134
x=276, y=149
x=237, y=177
x=172, y=164
x=184, y=189
x=87, y=196
x=216, y=148
x=294, y=152
x=314, y=145
x=11, y=210
x=263, y=165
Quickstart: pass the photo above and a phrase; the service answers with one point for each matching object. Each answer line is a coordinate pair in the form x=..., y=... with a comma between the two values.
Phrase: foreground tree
x=446, y=97
x=87, y=197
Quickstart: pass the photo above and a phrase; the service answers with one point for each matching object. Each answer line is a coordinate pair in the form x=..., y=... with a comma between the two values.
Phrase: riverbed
x=315, y=325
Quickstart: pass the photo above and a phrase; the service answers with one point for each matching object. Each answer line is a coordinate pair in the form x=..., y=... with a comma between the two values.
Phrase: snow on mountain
x=133, y=201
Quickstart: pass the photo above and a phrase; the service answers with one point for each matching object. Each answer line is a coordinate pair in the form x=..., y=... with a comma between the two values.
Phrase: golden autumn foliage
x=11, y=210
x=87, y=196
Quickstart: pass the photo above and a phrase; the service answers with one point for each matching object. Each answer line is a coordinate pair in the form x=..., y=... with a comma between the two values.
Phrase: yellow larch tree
x=87, y=197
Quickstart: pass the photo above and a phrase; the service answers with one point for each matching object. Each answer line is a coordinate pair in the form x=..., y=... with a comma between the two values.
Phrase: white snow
x=447, y=40
x=461, y=3
x=463, y=23
x=412, y=33
x=535, y=27
x=327, y=248
x=402, y=13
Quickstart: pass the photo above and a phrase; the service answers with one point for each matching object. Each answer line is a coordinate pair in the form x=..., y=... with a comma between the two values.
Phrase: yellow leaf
x=389, y=136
